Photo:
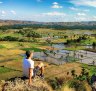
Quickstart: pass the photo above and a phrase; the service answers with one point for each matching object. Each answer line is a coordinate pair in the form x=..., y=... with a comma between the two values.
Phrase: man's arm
x=30, y=76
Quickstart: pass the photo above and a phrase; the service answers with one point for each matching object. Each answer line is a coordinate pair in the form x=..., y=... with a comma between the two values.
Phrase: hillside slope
x=22, y=85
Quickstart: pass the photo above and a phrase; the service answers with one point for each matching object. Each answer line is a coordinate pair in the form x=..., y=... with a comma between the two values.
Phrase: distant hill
x=13, y=22
x=17, y=24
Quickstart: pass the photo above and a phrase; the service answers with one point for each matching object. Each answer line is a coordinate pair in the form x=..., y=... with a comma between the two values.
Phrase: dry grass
x=22, y=85
x=9, y=54
x=59, y=71
x=66, y=88
x=47, y=48
x=88, y=88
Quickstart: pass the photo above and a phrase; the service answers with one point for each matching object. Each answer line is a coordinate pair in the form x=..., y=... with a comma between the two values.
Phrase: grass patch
x=32, y=49
x=4, y=70
x=74, y=48
x=1, y=46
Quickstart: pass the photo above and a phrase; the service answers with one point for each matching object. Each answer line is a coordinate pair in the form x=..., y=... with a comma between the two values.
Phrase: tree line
x=52, y=26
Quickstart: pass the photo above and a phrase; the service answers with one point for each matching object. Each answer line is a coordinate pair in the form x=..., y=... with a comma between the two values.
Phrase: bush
x=54, y=84
x=10, y=38
x=77, y=85
x=57, y=83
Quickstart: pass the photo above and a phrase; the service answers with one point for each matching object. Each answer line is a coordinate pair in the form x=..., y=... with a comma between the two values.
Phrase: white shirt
x=27, y=63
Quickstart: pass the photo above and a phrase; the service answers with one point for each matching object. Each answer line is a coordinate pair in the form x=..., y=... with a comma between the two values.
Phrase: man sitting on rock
x=29, y=70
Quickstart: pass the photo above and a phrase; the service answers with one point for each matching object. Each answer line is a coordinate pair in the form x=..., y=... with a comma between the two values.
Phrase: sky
x=48, y=10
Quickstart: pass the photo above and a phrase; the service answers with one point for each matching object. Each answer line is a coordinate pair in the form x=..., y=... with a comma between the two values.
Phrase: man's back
x=27, y=63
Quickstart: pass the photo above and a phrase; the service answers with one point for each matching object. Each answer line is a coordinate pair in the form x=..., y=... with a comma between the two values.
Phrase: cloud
x=91, y=3
x=81, y=14
x=54, y=14
x=80, y=18
x=13, y=12
x=94, y=17
x=86, y=10
x=49, y=17
x=74, y=9
x=85, y=18
x=39, y=0
x=1, y=2
x=3, y=13
x=56, y=5
x=78, y=9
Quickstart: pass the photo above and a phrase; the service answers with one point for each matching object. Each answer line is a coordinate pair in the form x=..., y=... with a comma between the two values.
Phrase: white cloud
x=1, y=2
x=81, y=14
x=3, y=13
x=56, y=5
x=50, y=17
x=13, y=12
x=85, y=18
x=91, y=3
x=86, y=10
x=54, y=14
x=78, y=9
x=80, y=18
x=39, y=0
x=73, y=8
x=94, y=18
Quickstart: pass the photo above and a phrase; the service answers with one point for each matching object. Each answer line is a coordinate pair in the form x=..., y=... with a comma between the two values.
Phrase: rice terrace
x=59, y=49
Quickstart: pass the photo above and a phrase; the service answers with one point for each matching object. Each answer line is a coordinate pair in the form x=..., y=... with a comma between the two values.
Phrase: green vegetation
x=57, y=26
x=90, y=69
x=32, y=49
x=57, y=83
x=4, y=70
x=1, y=46
x=73, y=48
x=77, y=85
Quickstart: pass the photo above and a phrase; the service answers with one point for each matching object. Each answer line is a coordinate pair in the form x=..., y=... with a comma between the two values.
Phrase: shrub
x=57, y=83
x=54, y=84
x=10, y=38
x=77, y=85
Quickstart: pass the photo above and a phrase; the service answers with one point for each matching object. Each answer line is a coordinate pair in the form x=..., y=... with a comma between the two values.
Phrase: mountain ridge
x=13, y=22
